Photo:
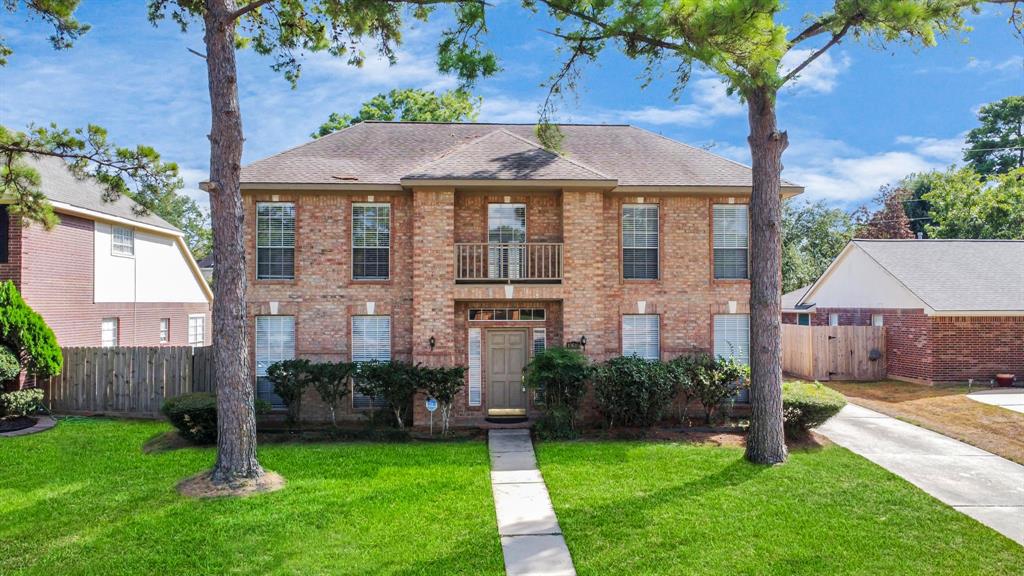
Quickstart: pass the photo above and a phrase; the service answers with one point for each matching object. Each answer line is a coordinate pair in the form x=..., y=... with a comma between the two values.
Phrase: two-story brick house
x=469, y=244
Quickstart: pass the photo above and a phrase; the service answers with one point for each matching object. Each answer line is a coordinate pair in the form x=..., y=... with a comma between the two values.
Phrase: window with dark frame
x=275, y=241
x=731, y=241
x=640, y=242
x=371, y=241
x=506, y=314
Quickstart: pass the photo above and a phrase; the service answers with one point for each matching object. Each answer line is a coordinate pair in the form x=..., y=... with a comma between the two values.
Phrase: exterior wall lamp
x=432, y=342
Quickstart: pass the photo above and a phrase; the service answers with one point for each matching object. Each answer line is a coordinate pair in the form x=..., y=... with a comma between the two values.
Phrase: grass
x=665, y=508
x=946, y=410
x=83, y=499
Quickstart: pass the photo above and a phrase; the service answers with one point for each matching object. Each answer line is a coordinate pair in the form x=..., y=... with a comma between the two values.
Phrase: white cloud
x=819, y=76
x=508, y=110
x=1011, y=64
x=948, y=150
x=710, y=101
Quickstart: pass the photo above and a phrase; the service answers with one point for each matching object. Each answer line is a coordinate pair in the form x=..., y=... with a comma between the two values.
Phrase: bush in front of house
x=632, y=391
x=393, y=383
x=195, y=415
x=26, y=334
x=441, y=383
x=806, y=405
x=9, y=366
x=558, y=376
x=21, y=402
x=714, y=381
x=290, y=379
x=330, y=379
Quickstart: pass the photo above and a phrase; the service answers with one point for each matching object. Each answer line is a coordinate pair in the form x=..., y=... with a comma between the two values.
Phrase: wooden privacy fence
x=834, y=352
x=127, y=380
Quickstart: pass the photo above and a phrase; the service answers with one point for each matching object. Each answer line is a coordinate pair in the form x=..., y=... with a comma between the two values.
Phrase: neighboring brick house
x=469, y=244
x=953, y=309
x=104, y=276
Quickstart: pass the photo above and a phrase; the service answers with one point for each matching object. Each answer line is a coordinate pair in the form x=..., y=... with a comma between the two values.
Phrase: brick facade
x=937, y=349
x=54, y=271
x=424, y=300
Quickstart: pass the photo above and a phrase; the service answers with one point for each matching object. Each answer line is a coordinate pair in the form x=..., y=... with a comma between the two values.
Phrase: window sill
x=273, y=281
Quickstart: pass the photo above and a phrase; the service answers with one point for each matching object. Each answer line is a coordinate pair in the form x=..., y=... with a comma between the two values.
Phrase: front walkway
x=977, y=483
x=1009, y=398
x=531, y=539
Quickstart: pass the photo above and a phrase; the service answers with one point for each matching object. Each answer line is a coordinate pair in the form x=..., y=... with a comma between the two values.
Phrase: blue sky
x=859, y=118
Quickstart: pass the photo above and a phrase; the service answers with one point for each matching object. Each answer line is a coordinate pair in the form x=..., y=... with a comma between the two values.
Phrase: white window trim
x=258, y=247
x=833, y=319
x=352, y=239
x=119, y=248
x=256, y=343
x=714, y=337
x=202, y=336
x=474, y=389
x=116, y=332
x=657, y=249
x=165, y=330
x=878, y=320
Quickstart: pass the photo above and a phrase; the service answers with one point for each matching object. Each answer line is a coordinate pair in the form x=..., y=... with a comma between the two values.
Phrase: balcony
x=527, y=262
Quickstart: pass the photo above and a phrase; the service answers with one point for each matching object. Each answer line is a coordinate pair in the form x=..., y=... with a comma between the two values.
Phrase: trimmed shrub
x=21, y=402
x=27, y=335
x=290, y=379
x=330, y=379
x=441, y=384
x=9, y=366
x=391, y=382
x=806, y=405
x=195, y=415
x=714, y=381
x=631, y=391
x=559, y=378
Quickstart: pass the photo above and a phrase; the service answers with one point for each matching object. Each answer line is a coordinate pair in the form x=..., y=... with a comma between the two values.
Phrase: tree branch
x=836, y=38
x=257, y=4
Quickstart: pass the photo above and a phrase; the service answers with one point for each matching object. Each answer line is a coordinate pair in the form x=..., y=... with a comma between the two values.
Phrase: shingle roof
x=60, y=185
x=387, y=152
x=790, y=300
x=955, y=275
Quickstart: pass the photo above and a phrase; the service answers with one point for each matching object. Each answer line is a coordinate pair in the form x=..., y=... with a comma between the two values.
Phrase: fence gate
x=834, y=352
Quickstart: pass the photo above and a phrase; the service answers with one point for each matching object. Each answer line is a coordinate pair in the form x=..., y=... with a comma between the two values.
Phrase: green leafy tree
x=58, y=13
x=331, y=381
x=997, y=146
x=442, y=383
x=25, y=333
x=559, y=378
x=182, y=212
x=744, y=42
x=411, y=105
x=395, y=383
x=964, y=205
x=290, y=379
x=889, y=220
x=812, y=235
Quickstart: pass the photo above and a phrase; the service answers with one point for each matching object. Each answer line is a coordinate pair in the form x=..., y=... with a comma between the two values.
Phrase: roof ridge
x=448, y=151
x=558, y=155
x=909, y=240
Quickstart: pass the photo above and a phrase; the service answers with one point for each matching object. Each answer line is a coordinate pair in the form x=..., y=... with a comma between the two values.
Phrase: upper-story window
x=640, y=242
x=275, y=240
x=506, y=227
x=196, y=329
x=731, y=239
x=122, y=241
x=371, y=241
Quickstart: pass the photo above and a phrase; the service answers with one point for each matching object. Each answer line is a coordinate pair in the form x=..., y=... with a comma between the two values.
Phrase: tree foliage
x=394, y=383
x=290, y=379
x=25, y=333
x=60, y=14
x=964, y=205
x=997, y=146
x=558, y=376
x=331, y=381
x=410, y=105
x=812, y=235
x=442, y=383
x=889, y=221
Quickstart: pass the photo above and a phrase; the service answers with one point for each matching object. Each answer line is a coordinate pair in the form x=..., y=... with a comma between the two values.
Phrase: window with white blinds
x=275, y=341
x=275, y=240
x=474, y=367
x=108, y=332
x=371, y=241
x=122, y=241
x=731, y=241
x=506, y=224
x=540, y=343
x=732, y=336
x=371, y=340
x=641, y=336
x=640, y=242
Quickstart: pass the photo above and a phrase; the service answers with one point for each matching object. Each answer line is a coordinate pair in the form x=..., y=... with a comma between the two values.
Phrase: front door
x=506, y=358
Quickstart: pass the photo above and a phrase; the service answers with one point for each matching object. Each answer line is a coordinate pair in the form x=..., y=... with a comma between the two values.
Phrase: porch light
x=432, y=343
x=583, y=342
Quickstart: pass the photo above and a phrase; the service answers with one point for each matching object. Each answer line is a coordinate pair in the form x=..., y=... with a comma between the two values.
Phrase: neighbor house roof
x=388, y=153
x=791, y=300
x=953, y=275
x=62, y=187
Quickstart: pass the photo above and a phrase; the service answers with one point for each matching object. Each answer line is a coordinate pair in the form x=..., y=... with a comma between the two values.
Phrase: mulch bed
x=15, y=423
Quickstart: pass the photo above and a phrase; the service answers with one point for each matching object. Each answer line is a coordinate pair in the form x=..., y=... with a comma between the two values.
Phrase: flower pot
x=1004, y=380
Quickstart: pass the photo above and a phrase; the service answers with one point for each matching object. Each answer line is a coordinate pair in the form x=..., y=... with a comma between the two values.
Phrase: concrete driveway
x=1009, y=398
x=980, y=484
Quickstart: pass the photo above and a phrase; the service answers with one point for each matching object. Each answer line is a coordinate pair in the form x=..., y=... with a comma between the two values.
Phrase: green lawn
x=84, y=499
x=660, y=508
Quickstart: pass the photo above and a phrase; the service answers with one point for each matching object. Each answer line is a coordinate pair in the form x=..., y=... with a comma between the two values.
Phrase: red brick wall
x=976, y=347
x=57, y=281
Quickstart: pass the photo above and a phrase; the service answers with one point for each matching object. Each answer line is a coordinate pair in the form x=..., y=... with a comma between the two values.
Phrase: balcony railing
x=509, y=262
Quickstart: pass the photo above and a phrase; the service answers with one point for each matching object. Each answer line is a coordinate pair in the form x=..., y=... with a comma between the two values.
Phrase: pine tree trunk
x=766, y=442
x=236, y=418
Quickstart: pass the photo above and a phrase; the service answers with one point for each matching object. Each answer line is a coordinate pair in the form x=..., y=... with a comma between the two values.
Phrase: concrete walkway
x=1009, y=398
x=979, y=484
x=531, y=540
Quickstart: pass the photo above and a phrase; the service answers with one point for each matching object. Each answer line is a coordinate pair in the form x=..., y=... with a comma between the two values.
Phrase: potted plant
x=1004, y=380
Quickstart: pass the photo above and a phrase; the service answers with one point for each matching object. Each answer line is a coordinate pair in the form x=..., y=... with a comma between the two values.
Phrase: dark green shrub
x=806, y=405
x=331, y=381
x=559, y=378
x=195, y=415
x=714, y=381
x=442, y=384
x=290, y=379
x=631, y=391
x=26, y=334
x=394, y=383
x=21, y=402
x=679, y=374
x=9, y=366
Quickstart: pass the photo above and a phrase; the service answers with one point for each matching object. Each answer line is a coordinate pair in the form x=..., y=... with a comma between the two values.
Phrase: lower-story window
x=275, y=341
x=165, y=330
x=371, y=341
x=641, y=336
x=108, y=332
x=732, y=340
x=196, y=329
